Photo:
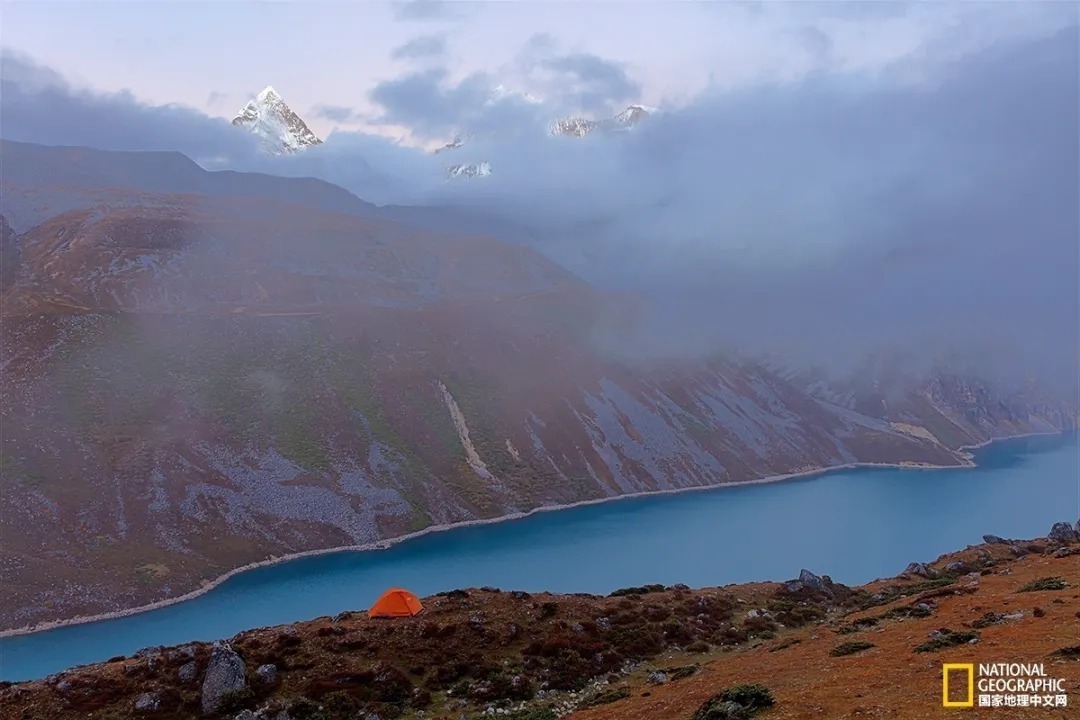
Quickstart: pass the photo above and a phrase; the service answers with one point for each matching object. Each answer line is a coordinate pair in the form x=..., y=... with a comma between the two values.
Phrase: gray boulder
x=995, y=540
x=1062, y=532
x=812, y=581
x=656, y=677
x=957, y=567
x=921, y=569
x=147, y=702
x=1077, y=527
x=188, y=672
x=267, y=673
x=224, y=674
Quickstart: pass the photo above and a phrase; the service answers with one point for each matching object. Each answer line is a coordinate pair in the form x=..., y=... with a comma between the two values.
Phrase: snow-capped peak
x=634, y=114
x=580, y=127
x=281, y=130
x=468, y=170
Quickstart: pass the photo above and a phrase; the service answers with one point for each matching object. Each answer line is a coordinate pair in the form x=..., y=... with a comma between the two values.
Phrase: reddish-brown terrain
x=651, y=652
x=204, y=370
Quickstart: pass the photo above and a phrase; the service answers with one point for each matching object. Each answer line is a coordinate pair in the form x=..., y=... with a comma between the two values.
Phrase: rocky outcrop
x=921, y=570
x=267, y=673
x=225, y=674
x=147, y=702
x=1063, y=532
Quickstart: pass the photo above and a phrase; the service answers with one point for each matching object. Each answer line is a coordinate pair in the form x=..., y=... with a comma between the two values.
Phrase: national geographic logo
x=1000, y=685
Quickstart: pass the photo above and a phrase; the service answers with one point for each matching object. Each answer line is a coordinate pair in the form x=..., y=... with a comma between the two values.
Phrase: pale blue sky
x=214, y=55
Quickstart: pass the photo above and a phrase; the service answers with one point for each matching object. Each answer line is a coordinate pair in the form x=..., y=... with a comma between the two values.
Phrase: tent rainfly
x=395, y=603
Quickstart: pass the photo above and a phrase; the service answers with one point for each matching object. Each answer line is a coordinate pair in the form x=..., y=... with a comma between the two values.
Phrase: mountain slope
x=193, y=383
x=269, y=117
x=39, y=182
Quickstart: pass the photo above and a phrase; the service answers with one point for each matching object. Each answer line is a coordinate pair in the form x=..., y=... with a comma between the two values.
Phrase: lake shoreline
x=965, y=458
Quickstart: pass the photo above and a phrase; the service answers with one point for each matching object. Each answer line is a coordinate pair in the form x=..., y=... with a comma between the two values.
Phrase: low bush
x=739, y=702
x=946, y=639
x=792, y=614
x=608, y=697
x=759, y=624
x=1072, y=652
x=683, y=671
x=1046, y=583
x=988, y=619
x=529, y=714
x=850, y=648
x=642, y=590
x=786, y=644
x=639, y=642
x=234, y=701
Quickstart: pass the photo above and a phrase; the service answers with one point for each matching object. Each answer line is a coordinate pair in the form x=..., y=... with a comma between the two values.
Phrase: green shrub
x=1072, y=652
x=642, y=590
x=850, y=648
x=988, y=619
x=947, y=639
x=1046, y=583
x=234, y=701
x=683, y=671
x=792, y=614
x=608, y=697
x=637, y=642
x=755, y=697
x=940, y=582
x=339, y=703
x=739, y=702
x=528, y=714
x=906, y=611
x=786, y=644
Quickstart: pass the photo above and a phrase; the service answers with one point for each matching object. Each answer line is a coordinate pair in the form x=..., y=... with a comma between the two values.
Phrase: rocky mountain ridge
x=571, y=127
x=194, y=382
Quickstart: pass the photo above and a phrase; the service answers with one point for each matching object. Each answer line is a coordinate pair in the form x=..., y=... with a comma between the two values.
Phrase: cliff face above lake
x=810, y=647
x=196, y=379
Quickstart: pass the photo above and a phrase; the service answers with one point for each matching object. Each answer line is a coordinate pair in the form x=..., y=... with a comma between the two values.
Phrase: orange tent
x=395, y=603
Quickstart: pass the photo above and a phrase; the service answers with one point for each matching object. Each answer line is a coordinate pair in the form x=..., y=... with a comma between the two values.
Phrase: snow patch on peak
x=268, y=93
x=573, y=127
x=634, y=114
x=579, y=127
x=469, y=170
x=501, y=91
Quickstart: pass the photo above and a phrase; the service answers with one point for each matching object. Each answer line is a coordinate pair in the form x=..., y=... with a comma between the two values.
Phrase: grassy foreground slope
x=813, y=648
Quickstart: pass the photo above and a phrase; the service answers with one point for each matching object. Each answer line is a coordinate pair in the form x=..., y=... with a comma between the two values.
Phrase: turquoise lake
x=854, y=525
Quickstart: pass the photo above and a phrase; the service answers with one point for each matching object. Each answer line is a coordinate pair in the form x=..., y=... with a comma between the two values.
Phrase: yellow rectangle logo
x=968, y=668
